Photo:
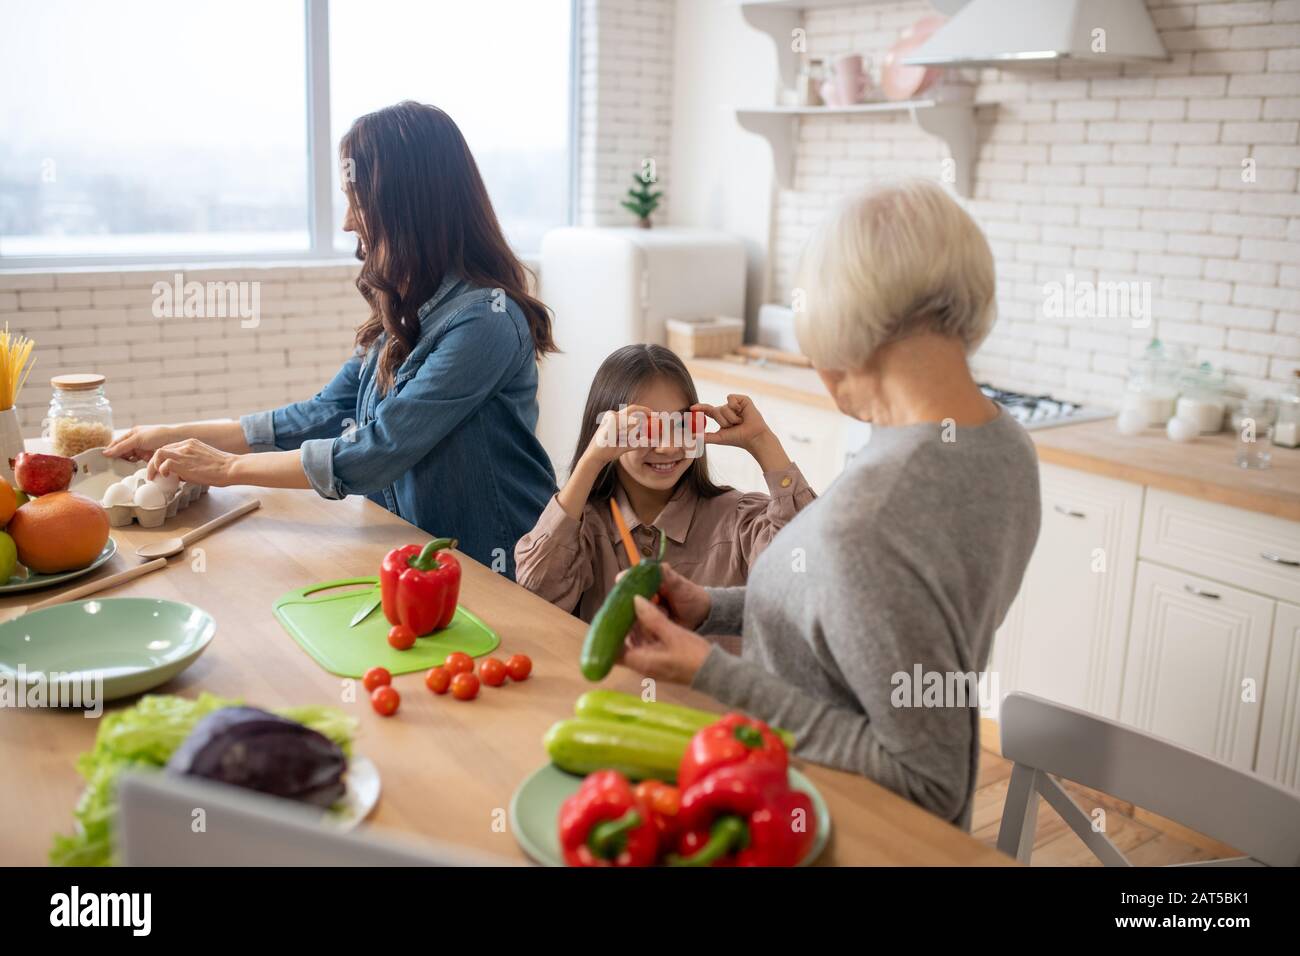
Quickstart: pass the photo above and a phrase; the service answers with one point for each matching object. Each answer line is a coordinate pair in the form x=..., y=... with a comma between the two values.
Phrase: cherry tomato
x=385, y=700
x=437, y=679
x=458, y=662
x=376, y=677
x=492, y=672
x=401, y=637
x=464, y=686
x=519, y=666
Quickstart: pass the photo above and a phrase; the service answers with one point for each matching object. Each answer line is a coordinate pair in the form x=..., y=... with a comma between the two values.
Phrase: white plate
x=360, y=797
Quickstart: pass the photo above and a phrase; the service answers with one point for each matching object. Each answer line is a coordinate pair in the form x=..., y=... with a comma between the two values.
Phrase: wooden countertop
x=448, y=768
x=1204, y=468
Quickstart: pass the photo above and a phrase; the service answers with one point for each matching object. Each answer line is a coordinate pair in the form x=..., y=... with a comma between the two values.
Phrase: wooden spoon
x=85, y=590
x=169, y=546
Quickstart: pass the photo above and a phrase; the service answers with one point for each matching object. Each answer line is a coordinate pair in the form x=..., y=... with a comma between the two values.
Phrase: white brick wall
x=1111, y=175
x=625, y=107
x=174, y=369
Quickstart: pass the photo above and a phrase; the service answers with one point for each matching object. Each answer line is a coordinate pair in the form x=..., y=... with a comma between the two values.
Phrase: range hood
x=1006, y=32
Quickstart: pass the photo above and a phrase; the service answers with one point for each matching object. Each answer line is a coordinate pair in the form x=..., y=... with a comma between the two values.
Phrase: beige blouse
x=572, y=562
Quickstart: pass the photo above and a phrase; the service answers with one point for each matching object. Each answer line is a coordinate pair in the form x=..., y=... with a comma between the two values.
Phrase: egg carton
x=95, y=473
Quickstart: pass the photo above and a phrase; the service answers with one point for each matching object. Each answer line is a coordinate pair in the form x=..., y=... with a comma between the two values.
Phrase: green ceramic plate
x=25, y=581
x=132, y=644
x=535, y=810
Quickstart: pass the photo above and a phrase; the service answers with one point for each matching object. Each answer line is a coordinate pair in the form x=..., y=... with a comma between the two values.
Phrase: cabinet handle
x=1278, y=559
x=1192, y=589
x=1068, y=512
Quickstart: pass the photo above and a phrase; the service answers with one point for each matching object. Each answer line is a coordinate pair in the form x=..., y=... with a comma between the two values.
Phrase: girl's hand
x=192, y=460
x=139, y=443
x=739, y=422
x=742, y=425
x=658, y=648
x=622, y=431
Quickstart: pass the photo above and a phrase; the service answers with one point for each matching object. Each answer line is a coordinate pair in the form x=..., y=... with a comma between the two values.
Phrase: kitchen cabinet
x=1064, y=636
x=1279, y=732
x=1193, y=645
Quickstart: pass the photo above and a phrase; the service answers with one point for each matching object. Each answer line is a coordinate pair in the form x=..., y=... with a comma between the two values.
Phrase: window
x=149, y=130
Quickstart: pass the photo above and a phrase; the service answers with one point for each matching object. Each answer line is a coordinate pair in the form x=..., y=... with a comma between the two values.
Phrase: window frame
x=320, y=167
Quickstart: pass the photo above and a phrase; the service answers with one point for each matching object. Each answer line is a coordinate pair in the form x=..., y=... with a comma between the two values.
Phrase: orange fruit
x=62, y=531
x=8, y=502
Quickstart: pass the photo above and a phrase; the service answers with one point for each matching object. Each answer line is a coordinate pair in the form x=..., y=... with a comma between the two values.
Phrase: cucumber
x=613, y=705
x=614, y=619
x=583, y=745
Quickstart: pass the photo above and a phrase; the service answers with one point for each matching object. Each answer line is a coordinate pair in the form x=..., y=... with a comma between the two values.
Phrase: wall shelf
x=949, y=115
x=950, y=120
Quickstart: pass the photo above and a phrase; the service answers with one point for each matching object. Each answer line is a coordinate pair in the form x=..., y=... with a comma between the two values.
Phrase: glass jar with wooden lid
x=80, y=416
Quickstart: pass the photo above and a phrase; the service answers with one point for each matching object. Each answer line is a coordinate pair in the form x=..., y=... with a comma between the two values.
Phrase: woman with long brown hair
x=433, y=416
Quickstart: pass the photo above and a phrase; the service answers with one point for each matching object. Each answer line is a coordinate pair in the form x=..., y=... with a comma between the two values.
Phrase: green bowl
x=535, y=812
x=131, y=644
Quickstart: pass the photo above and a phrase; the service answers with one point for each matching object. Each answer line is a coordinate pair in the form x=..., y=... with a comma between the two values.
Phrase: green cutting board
x=317, y=617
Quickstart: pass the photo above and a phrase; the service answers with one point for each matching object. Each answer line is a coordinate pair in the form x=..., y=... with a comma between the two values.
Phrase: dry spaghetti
x=15, y=365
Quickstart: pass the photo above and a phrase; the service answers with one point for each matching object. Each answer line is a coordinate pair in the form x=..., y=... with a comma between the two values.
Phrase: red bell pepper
x=664, y=802
x=744, y=814
x=420, y=585
x=604, y=824
x=733, y=739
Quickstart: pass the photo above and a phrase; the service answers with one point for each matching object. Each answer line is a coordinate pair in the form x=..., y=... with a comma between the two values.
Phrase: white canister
x=1207, y=413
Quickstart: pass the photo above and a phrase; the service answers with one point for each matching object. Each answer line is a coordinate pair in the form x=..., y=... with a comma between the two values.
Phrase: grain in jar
x=80, y=416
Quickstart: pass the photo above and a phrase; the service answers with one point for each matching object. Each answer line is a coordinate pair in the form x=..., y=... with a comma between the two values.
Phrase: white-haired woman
x=912, y=557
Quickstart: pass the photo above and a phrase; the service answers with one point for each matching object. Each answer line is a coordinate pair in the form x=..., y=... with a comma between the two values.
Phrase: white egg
x=118, y=494
x=133, y=481
x=1182, y=429
x=168, y=483
x=150, y=495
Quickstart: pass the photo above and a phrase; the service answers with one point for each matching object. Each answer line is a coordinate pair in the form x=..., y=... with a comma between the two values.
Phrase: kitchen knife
x=367, y=609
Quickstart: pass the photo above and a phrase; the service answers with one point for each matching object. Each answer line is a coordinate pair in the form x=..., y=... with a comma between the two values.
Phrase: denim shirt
x=451, y=447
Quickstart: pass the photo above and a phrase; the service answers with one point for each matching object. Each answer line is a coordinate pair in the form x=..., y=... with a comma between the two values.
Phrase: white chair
x=1241, y=809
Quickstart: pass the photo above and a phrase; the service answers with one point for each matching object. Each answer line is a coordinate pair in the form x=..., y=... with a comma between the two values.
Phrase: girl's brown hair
x=617, y=382
x=422, y=213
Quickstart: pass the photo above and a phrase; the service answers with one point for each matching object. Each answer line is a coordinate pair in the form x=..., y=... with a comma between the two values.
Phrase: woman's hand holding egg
x=192, y=460
x=139, y=443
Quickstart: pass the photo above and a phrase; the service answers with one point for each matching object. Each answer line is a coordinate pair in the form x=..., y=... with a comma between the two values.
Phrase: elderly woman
x=907, y=564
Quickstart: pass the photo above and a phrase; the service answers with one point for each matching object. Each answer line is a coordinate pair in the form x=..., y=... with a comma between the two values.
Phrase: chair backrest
x=1242, y=809
x=157, y=826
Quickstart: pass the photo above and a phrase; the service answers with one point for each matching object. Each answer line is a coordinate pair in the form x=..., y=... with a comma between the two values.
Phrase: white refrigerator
x=613, y=287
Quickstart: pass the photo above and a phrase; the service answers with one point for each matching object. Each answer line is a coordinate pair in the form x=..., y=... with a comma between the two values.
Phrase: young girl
x=629, y=449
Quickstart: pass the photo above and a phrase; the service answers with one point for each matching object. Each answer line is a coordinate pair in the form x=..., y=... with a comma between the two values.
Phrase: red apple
x=42, y=474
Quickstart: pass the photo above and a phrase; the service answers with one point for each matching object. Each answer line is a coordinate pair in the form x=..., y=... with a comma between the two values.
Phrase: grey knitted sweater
x=902, y=570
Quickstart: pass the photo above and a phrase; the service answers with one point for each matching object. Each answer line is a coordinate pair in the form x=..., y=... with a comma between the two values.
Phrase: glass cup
x=1254, y=421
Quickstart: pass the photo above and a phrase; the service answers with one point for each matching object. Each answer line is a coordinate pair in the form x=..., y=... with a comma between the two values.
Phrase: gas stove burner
x=1042, y=411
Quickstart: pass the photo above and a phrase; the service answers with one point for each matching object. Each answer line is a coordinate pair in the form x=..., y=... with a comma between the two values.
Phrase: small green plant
x=641, y=201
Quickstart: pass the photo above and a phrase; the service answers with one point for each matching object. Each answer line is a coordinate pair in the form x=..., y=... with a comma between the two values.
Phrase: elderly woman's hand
x=658, y=648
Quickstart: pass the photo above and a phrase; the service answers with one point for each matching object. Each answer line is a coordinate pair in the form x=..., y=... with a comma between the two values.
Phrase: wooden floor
x=1147, y=840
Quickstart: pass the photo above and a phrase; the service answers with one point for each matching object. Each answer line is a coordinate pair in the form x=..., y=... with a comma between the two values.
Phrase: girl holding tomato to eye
x=642, y=444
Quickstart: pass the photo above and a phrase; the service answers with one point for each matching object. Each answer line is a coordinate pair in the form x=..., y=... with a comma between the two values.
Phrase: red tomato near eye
x=376, y=677
x=437, y=679
x=385, y=700
x=492, y=672
x=519, y=666
x=464, y=686
x=401, y=637
x=458, y=662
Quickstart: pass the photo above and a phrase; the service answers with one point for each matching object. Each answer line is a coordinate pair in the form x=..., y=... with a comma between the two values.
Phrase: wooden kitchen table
x=448, y=768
